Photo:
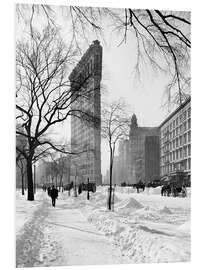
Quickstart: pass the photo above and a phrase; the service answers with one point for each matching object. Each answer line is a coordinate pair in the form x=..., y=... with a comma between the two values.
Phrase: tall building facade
x=85, y=134
x=175, y=141
x=152, y=158
x=143, y=153
x=139, y=156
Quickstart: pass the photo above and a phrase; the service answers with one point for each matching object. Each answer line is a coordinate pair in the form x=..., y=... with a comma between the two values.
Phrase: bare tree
x=115, y=127
x=21, y=163
x=162, y=37
x=44, y=97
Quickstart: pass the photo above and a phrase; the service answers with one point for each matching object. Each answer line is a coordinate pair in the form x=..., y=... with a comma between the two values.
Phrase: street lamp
x=88, y=193
x=34, y=178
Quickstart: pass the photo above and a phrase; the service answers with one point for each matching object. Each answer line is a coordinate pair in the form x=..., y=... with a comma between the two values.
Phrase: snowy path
x=62, y=236
x=143, y=228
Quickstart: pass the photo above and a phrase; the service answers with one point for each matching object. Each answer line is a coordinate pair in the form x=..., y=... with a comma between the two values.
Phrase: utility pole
x=34, y=178
x=88, y=192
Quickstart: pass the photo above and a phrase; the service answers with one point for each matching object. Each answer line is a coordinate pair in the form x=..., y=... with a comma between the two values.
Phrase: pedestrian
x=79, y=188
x=48, y=190
x=184, y=191
x=54, y=195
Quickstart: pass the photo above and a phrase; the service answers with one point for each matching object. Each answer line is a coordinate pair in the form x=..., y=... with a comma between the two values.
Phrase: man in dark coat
x=54, y=195
x=49, y=190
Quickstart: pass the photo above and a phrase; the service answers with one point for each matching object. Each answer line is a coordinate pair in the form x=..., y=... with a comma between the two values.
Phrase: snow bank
x=147, y=228
x=25, y=209
x=165, y=210
x=129, y=203
x=185, y=227
x=155, y=191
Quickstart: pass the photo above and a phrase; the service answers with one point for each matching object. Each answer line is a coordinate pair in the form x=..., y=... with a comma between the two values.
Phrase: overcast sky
x=144, y=94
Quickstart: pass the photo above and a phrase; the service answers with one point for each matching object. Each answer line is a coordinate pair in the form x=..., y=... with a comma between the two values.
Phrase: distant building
x=106, y=178
x=143, y=153
x=85, y=86
x=152, y=158
x=138, y=157
x=175, y=141
x=124, y=161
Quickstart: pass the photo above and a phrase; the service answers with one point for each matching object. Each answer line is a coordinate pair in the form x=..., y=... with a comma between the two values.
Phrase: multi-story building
x=85, y=123
x=175, y=141
x=123, y=161
x=152, y=158
x=143, y=153
x=138, y=157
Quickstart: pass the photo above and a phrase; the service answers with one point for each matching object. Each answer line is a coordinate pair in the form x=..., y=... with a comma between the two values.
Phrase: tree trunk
x=110, y=184
x=30, y=194
x=22, y=178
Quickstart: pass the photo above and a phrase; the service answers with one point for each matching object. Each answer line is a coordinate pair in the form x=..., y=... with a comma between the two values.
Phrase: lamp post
x=34, y=178
x=88, y=192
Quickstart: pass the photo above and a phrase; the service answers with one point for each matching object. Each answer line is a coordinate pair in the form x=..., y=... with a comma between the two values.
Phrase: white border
x=7, y=114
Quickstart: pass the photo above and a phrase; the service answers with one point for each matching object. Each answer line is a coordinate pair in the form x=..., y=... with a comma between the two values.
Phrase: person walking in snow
x=49, y=190
x=54, y=195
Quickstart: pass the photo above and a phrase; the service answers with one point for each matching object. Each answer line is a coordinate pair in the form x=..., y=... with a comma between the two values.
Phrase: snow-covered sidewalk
x=143, y=228
x=62, y=236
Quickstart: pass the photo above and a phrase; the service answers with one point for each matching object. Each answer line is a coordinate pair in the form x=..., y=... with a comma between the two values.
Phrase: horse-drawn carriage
x=139, y=185
x=68, y=186
x=175, y=184
x=91, y=186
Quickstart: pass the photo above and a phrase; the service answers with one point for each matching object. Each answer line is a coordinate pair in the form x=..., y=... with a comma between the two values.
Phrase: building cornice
x=175, y=111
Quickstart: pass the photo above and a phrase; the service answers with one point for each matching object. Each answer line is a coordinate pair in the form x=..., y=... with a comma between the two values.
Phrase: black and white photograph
x=103, y=135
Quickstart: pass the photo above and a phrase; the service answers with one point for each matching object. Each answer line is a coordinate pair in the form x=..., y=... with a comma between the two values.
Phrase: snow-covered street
x=143, y=227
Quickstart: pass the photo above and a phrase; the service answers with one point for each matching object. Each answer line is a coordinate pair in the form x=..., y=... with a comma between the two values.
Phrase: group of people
x=169, y=189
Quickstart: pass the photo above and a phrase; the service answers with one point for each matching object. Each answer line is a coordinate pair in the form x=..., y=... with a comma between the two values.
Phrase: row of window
x=177, y=142
x=183, y=165
x=177, y=131
x=178, y=121
x=180, y=153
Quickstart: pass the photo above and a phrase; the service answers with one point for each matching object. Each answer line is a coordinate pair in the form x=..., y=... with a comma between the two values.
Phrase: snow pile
x=139, y=242
x=25, y=209
x=185, y=227
x=125, y=189
x=144, y=231
x=165, y=210
x=105, y=222
x=116, y=199
x=145, y=228
x=155, y=191
x=129, y=203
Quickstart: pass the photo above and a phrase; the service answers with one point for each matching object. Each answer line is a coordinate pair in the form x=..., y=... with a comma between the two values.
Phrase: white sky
x=144, y=94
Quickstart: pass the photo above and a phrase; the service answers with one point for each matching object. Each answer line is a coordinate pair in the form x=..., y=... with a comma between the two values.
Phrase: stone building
x=85, y=135
x=175, y=141
x=152, y=157
x=143, y=153
x=139, y=155
x=123, y=161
